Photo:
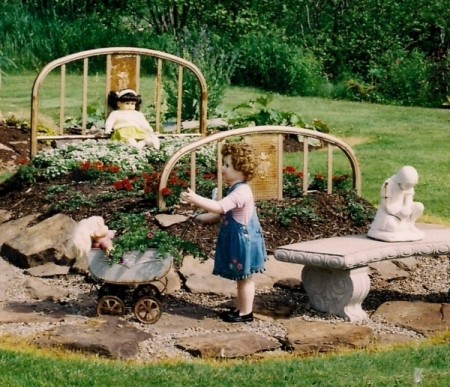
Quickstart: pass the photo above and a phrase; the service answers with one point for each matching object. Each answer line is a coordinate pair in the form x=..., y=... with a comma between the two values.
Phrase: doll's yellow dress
x=128, y=133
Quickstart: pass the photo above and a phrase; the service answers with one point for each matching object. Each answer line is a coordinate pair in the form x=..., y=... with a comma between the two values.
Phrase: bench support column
x=338, y=292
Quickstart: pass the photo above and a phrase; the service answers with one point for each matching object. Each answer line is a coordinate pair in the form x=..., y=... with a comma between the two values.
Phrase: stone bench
x=336, y=273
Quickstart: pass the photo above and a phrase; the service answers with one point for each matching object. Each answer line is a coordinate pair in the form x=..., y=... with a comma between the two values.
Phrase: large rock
x=227, y=345
x=422, y=317
x=37, y=289
x=14, y=228
x=48, y=270
x=199, y=278
x=315, y=336
x=388, y=270
x=9, y=275
x=5, y=216
x=107, y=336
x=39, y=244
x=167, y=220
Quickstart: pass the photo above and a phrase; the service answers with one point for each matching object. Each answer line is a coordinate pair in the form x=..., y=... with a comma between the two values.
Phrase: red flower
x=85, y=166
x=98, y=166
x=209, y=176
x=22, y=161
x=118, y=185
x=127, y=185
x=289, y=170
x=114, y=169
x=166, y=192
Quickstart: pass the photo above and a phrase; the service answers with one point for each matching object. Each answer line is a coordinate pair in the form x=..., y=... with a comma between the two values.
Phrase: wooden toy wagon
x=137, y=284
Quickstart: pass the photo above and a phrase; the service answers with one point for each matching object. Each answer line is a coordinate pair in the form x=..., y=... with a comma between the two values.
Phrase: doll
x=240, y=248
x=127, y=123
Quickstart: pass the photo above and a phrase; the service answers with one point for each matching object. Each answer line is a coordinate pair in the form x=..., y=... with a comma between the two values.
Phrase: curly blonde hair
x=242, y=157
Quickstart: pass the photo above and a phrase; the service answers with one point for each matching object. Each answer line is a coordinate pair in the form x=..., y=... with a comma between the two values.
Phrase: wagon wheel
x=147, y=310
x=146, y=290
x=110, y=305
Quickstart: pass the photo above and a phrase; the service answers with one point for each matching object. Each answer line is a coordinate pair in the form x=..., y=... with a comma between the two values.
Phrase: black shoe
x=228, y=312
x=237, y=318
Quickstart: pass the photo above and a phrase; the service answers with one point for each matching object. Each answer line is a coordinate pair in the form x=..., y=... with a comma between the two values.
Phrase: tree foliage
x=374, y=44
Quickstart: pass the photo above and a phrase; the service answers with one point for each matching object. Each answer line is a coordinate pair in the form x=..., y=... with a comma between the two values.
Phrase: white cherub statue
x=127, y=123
x=395, y=218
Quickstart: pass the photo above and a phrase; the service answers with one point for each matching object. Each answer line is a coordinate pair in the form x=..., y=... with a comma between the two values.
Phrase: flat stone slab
x=108, y=336
x=353, y=251
x=422, y=317
x=227, y=345
x=316, y=336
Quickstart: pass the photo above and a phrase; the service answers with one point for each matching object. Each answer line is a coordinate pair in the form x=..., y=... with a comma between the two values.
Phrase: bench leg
x=339, y=292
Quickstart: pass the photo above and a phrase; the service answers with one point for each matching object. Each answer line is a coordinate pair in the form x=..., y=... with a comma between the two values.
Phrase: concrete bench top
x=354, y=251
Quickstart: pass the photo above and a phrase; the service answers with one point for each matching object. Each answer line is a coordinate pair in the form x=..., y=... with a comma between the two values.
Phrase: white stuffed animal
x=88, y=231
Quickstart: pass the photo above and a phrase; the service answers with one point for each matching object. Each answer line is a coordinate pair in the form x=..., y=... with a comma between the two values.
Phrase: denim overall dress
x=240, y=250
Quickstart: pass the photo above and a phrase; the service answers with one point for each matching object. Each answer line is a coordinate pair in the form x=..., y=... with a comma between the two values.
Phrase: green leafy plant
x=134, y=235
x=303, y=213
x=292, y=182
x=215, y=63
x=359, y=213
x=54, y=190
x=5, y=63
x=148, y=183
x=95, y=118
x=300, y=209
x=257, y=112
x=342, y=183
x=94, y=170
x=273, y=63
x=25, y=175
x=75, y=201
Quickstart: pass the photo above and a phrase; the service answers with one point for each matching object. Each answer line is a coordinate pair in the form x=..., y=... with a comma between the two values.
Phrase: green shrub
x=404, y=78
x=353, y=88
x=216, y=64
x=277, y=66
x=5, y=64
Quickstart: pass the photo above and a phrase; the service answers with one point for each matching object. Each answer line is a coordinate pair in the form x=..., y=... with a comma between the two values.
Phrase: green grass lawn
x=393, y=367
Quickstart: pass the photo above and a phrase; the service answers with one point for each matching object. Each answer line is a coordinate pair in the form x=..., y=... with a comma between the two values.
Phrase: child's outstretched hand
x=187, y=196
x=208, y=205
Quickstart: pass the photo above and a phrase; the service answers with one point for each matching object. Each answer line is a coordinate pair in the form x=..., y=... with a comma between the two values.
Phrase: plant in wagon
x=135, y=235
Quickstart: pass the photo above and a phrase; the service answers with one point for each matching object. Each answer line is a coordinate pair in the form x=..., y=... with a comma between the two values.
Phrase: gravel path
x=186, y=314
